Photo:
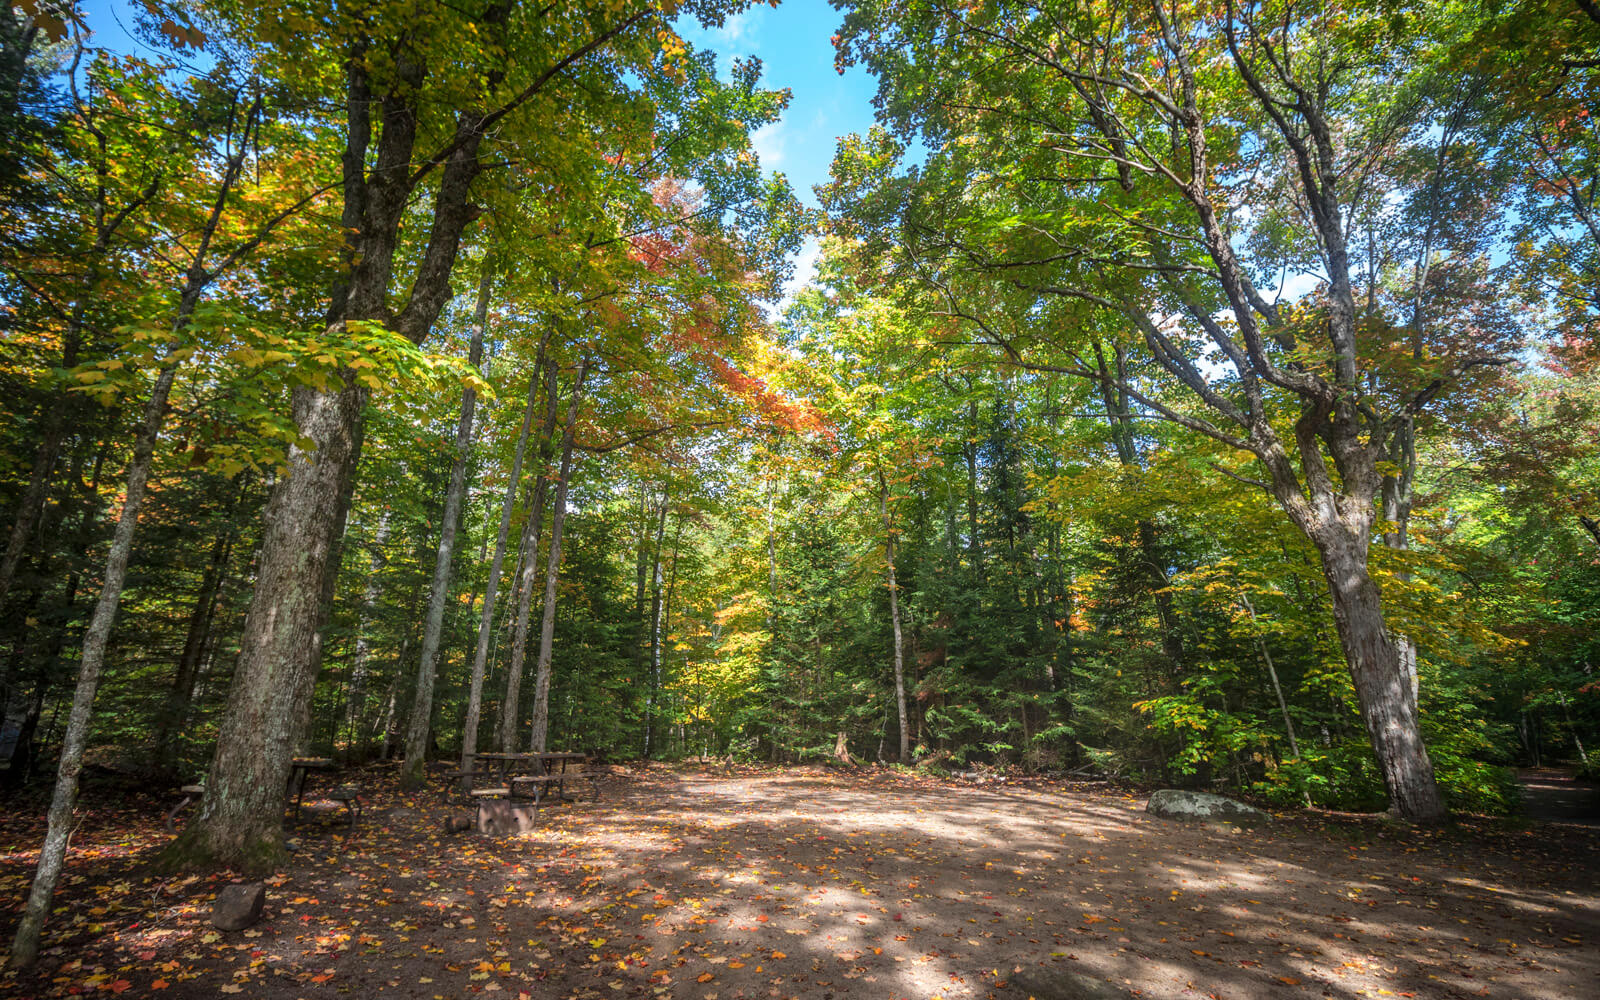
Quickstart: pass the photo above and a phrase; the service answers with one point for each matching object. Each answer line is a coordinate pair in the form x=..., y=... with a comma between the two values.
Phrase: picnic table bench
x=544, y=772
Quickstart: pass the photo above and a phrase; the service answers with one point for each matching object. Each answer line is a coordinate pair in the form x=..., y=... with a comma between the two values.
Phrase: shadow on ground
x=716, y=886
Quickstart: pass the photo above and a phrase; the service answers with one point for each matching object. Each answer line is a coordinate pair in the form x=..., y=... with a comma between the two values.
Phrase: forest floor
x=718, y=884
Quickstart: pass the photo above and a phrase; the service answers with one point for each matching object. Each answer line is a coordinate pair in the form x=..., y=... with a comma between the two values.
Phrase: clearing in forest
x=720, y=884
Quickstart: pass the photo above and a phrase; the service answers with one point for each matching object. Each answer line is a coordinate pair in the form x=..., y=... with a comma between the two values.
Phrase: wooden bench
x=452, y=778
x=590, y=772
x=539, y=785
x=350, y=797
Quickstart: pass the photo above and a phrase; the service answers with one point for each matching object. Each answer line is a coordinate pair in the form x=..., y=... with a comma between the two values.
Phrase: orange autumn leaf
x=704, y=977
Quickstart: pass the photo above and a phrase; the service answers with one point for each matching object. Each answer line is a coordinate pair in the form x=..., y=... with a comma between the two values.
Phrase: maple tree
x=1194, y=394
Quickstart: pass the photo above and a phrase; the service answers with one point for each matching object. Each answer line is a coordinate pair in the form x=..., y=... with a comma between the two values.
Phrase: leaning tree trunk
x=547, y=625
x=1383, y=688
x=97, y=635
x=422, y=706
x=25, y=946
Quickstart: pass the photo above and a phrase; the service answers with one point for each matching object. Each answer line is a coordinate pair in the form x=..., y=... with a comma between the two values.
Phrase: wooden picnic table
x=297, y=776
x=505, y=762
x=538, y=773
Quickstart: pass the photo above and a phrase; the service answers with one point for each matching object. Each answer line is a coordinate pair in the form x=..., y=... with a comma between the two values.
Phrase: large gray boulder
x=238, y=906
x=1176, y=803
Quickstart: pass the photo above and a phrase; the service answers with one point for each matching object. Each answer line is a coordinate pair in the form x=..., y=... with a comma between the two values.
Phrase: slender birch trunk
x=655, y=631
x=52, y=856
x=547, y=626
x=411, y=775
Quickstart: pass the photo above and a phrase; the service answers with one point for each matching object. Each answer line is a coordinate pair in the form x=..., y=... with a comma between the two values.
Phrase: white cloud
x=770, y=143
x=734, y=33
x=1294, y=286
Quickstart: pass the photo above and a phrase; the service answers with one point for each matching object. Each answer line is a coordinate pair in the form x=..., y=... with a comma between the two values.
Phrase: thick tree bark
x=240, y=823
x=480, y=656
x=511, y=708
x=1383, y=688
x=268, y=707
x=411, y=775
x=889, y=532
x=547, y=625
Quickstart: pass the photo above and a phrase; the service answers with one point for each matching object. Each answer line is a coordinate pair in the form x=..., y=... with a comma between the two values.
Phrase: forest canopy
x=1199, y=393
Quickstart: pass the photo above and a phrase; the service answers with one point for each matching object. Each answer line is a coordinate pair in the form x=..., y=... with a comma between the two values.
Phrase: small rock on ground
x=1177, y=803
x=238, y=906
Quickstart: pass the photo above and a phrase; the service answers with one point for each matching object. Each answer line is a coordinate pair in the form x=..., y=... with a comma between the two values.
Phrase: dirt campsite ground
x=717, y=884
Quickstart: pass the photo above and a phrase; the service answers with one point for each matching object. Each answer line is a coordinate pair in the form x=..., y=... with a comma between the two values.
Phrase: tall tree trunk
x=1119, y=417
x=268, y=707
x=480, y=656
x=269, y=703
x=511, y=708
x=547, y=626
x=663, y=618
x=641, y=563
x=411, y=775
x=889, y=532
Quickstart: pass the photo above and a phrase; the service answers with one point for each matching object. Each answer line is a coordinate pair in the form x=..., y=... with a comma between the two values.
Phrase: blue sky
x=792, y=42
